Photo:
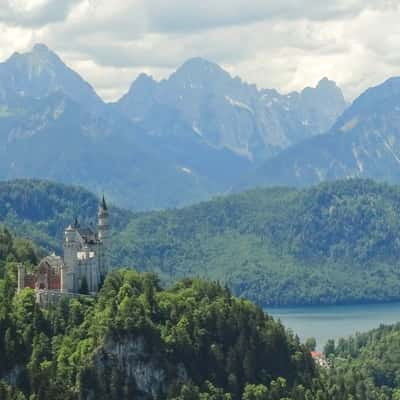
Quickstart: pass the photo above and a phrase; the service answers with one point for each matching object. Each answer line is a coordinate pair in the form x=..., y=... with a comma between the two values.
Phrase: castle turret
x=21, y=277
x=103, y=220
x=103, y=237
x=71, y=247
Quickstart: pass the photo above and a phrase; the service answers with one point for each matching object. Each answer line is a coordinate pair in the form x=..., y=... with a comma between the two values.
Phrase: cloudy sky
x=285, y=44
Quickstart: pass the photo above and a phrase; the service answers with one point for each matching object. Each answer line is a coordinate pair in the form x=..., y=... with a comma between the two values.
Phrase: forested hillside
x=366, y=363
x=334, y=243
x=41, y=210
x=138, y=341
x=14, y=250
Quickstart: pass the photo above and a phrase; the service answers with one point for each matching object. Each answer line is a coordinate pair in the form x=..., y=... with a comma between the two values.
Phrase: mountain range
x=229, y=113
x=363, y=142
x=163, y=144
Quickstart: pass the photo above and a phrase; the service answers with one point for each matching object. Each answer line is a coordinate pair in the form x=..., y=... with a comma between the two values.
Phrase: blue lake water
x=333, y=322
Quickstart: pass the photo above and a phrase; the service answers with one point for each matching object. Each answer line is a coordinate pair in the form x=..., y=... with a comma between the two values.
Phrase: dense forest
x=137, y=340
x=366, y=365
x=334, y=243
x=190, y=341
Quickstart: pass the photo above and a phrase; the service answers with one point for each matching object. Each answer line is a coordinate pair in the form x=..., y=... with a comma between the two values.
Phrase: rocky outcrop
x=136, y=362
x=13, y=376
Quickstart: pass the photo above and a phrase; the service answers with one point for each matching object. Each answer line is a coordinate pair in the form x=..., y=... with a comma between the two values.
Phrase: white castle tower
x=103, y=228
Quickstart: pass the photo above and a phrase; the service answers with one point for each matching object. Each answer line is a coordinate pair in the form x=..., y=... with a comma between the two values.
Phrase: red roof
x=317, y=354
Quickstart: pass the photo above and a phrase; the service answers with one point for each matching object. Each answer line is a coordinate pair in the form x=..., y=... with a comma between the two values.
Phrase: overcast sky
x=285, y=44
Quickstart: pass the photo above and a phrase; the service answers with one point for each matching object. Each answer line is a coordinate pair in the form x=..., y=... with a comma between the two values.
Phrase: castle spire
x=103, y=236
x=103, y=218
x=103, y=203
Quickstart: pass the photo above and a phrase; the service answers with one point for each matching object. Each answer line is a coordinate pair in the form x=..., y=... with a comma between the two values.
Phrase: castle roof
x=53, y=261
x=87, y=234
x=103, y=204
x=103, y=209
x=85, y=231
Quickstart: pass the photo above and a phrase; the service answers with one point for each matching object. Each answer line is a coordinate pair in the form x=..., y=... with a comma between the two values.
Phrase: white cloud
x=286, y=45
x=34, y=12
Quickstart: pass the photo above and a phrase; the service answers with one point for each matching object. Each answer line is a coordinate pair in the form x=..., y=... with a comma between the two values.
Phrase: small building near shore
x=320, y=359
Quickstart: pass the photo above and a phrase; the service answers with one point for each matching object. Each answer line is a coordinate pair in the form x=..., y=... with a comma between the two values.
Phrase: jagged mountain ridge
x=229, y=113
x=364, y=142
x=53, y=125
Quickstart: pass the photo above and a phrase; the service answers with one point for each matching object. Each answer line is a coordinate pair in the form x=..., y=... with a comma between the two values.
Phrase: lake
x=333, y=322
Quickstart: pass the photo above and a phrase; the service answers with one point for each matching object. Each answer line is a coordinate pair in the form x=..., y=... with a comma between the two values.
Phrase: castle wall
x=46, y=297
x=50, y=280
x=54, y=281
x=29, y=281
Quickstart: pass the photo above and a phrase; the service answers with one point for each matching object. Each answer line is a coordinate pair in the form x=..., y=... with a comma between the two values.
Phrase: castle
x=83, y=267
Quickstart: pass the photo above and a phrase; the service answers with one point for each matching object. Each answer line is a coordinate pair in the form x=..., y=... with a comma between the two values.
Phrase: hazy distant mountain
x=164, y=144
x=53, y=138
x=53, y=125
x=229, y=113
x=364, y=142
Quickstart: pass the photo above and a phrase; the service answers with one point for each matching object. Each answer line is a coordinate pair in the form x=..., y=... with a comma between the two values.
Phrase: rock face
x=14, y=375
x=364, y=142
x=229, y=113
x=132, y=358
